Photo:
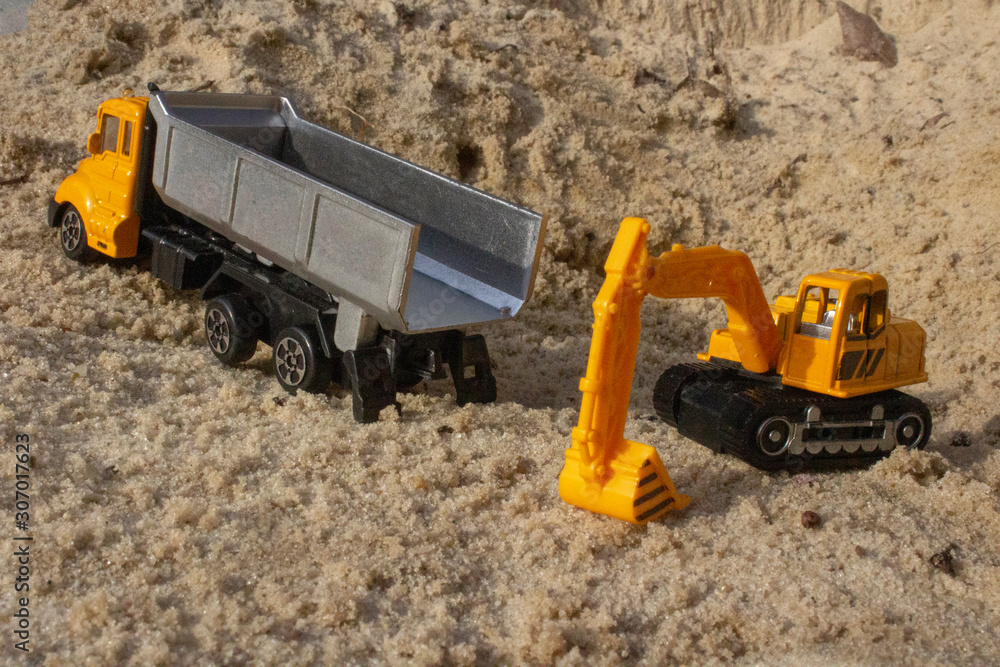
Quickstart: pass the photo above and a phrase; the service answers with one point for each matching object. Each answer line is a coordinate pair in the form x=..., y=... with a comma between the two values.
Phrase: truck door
x=105, y=167
x=123, y=181
x=103, y=170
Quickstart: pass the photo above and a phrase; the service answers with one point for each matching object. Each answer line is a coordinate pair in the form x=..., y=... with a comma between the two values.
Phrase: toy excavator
x=804, y=383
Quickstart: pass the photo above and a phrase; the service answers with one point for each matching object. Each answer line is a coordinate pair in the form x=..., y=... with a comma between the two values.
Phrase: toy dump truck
x=352, y=264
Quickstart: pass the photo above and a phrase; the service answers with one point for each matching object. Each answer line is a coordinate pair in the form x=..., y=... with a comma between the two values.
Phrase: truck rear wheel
x=299, y=361
x=229, y=341
x=73, y=235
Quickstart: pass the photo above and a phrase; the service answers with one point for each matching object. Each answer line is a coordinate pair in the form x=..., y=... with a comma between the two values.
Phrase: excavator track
x=775, y=427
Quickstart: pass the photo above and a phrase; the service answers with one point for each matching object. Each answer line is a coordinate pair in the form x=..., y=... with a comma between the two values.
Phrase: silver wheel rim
x=71, y=231
x=909, y=429
x=290, y=361
x=217, y=330
x=774, y=436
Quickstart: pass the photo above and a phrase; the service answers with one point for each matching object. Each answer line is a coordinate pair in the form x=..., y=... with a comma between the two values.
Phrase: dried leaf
x=931, y=122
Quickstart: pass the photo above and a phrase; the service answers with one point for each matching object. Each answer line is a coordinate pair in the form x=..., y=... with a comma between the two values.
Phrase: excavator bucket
x=637, y=487
x=605, y=473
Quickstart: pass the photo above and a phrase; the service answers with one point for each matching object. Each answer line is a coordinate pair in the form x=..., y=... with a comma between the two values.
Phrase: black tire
x=230, y=340
x=73, y=235
x=299, y=362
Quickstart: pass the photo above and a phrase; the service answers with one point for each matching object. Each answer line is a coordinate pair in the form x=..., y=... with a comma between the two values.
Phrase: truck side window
x=109, y=134
x=876, y=313
x=127, y=139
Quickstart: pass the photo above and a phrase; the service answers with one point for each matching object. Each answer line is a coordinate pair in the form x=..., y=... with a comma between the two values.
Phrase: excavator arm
x=604, y=472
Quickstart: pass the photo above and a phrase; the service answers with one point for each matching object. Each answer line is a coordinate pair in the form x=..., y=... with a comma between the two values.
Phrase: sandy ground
x=186, y=513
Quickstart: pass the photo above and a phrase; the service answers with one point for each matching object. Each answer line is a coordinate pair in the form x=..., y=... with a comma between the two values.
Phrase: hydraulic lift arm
x=604, y=472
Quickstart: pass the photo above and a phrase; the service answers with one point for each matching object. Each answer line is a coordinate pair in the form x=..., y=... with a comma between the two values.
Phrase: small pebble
x=859, y=550
x=810, y=519
x=961, y=439
x=445, y=429
x=523, y=466
x=943, y=561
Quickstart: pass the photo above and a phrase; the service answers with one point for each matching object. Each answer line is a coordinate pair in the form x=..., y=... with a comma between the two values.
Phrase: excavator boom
x=604, y=472
x=712, y=271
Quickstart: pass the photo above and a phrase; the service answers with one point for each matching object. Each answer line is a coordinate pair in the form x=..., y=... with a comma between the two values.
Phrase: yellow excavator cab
x=838, y=337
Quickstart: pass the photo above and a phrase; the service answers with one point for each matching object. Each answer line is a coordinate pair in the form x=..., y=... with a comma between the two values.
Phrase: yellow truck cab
x=96, y=208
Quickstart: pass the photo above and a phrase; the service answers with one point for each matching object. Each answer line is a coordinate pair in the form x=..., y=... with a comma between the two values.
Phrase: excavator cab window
x=818, y=310
x=875, y=320
x=857, y=315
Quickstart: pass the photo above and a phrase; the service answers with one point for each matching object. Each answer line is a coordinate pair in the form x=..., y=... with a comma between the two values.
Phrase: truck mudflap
x=469, y=363
x=181, y=259
x=371, y=381
x=54, y=207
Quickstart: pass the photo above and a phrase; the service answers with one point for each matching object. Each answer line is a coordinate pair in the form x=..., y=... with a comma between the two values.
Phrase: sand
x=188, y=513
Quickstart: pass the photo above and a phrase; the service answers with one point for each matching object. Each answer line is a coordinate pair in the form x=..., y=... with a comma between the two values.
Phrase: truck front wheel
x=231, y=343
x=299, y=361
x=73, y=235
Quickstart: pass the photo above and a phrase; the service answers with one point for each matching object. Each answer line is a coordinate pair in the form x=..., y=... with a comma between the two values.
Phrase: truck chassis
x=249, y=301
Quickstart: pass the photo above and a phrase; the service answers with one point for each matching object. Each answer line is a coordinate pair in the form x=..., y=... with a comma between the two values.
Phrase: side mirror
x=94, y=143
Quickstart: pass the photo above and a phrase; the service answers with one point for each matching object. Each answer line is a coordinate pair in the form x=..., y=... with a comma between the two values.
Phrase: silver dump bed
x=415, y=250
